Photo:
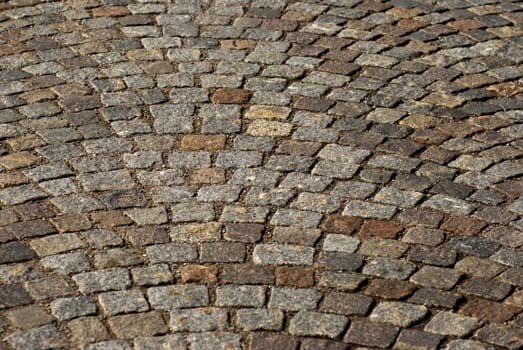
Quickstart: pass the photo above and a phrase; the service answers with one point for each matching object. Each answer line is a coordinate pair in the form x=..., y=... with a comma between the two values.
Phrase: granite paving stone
x=261, y=174
x=448, y=323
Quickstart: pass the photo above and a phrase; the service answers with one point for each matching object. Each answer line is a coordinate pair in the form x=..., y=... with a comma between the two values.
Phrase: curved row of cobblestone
x=261, y=174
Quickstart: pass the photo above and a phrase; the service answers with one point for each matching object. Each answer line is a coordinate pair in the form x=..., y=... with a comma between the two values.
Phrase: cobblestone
x=398, y=314
x=291, y=299
x=262, y=174
x=447, y=323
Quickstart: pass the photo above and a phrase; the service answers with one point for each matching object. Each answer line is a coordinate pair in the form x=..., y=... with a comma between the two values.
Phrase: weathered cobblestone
x=447, y=323
x=291, y=299
x=317, y=324
x=398, y=314
x=259, y=319
x=181, y=296
x=199, y=320
x=260, y=174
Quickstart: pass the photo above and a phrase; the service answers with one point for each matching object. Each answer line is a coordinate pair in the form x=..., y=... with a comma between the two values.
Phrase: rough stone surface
x=448, y=323
x=317, y=324
x=261, y=174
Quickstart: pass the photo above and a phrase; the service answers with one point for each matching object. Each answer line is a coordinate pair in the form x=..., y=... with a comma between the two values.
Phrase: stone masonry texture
x=261, y=174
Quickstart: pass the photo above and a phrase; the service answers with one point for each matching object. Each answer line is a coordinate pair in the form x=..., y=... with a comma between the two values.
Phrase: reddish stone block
x=463, y=225
x=341, y=224
x=389, y=289
x=380, y=229
x=231, y=96
x=294, y=277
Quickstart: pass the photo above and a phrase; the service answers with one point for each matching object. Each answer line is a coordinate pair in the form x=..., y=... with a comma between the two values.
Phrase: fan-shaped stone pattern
x=261, y=174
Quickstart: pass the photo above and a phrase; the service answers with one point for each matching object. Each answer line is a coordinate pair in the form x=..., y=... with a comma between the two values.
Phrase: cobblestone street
x=261, y=174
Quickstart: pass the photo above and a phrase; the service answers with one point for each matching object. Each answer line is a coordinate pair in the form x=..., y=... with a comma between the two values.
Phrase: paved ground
x=265, y=174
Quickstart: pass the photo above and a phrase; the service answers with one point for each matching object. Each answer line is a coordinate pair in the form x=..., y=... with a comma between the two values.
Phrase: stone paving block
x=482, y=287
x=214, y=340
x=488, y=311
x=340, y=243
x=170, y=342
x=29, y=317
x=264, y=340
x=389, y=289
x=477, y=246
x=244, y=214
x=369, y=210
x=436, y=277
x=433, y=256
x=448, y=323
x=54, y=244
x=500, y=335
x=294, y=299
x=371, y=334
x=178, y=296
x=149, y=216
x=49, y=287
x=198, y=320
x=293, y=217
x=449, y=205
x=39, y=337
x=368, y=151
x=259, y=319
x=87, y=330
x=389, y=268
x=69, y=308
x=240, y=295
x=468, y=344
x=414, y=339
x=137, y=325
x=398, y=313
x=152, y=275
x=15, y=252
x=317, y=324
x=103, y=280
x=294, y=277
x=269, y=254
x=346, y=304
x=114, y=303
x=171, y=252
x=383, y=247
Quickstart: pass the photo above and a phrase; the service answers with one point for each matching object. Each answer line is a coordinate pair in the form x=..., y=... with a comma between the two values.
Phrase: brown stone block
x=389, y=289
x=313, y=104
x=247, y=274
x=113, y=11
x=231, y=96
x=71, y=222
x=380, y=229
x=341, y=224
x=294, y=277
x=199, y=273
x=299, y=148
x=203, y=142
x=247, y=233
x=489, y=311
x=107, y=219
x=138, y=325
x=18, y=160
x=207, y=176
x=463, y=225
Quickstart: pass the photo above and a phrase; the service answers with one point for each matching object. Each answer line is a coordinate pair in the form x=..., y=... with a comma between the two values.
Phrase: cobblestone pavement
x=261, y=174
